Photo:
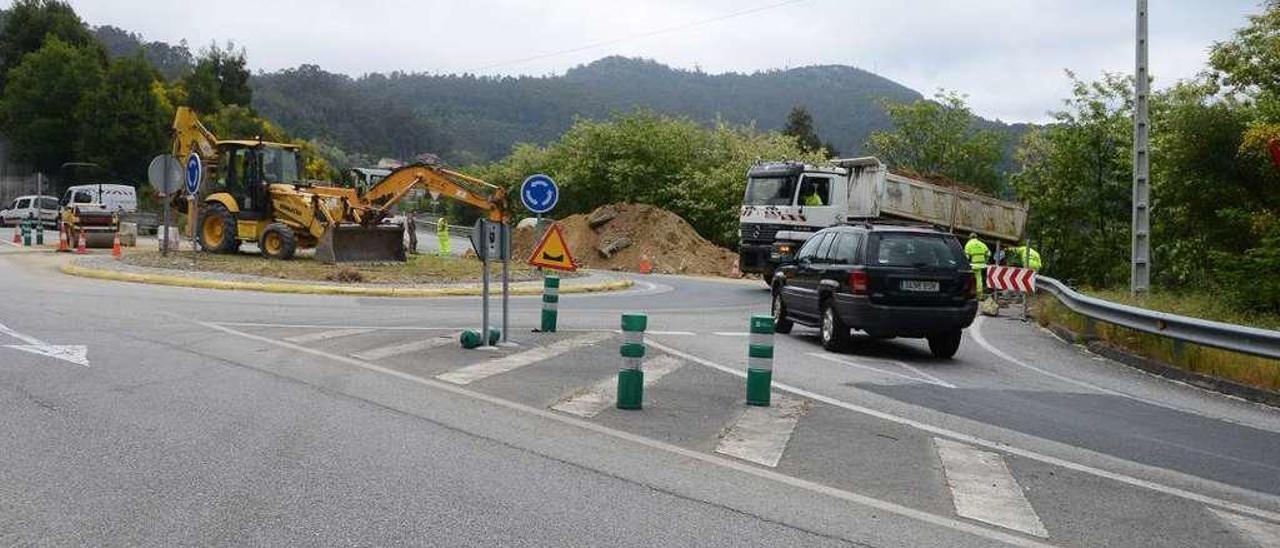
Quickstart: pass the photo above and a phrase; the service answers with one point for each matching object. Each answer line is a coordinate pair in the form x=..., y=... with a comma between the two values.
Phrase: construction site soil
x=623, y=236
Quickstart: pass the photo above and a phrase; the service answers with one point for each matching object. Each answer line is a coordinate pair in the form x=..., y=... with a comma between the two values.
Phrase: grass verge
x=419, y=269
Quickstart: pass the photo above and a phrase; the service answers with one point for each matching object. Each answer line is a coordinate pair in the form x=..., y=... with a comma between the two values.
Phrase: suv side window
x=823, y=253
x=845, y=250
x=807, y=250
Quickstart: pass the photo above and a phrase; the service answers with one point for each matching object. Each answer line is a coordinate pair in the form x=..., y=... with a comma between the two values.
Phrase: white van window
x=22, y=203
x=83, y=198
x=48, y=203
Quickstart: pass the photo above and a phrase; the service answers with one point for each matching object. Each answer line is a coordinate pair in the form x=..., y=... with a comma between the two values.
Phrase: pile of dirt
x=622, y=236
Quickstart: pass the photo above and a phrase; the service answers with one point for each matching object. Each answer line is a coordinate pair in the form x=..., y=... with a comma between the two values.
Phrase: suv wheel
x=780, y=322
x=944, y=345
x=834, y=333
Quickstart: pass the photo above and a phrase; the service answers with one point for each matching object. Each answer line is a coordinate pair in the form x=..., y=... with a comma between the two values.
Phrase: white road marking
x=730, y=334
x=330, y=326
x=603, y=394
x=486, y=369
x=1262, y=533
x=731, y=464
x=73, y=353
x=326, y=335
x=1027, y=453
x=674, y=333
x=405, y=348
x=983, y=488
x=930, y=379
x=760, y=434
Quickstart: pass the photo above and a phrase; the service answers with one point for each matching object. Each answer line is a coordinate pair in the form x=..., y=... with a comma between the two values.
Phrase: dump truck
x=253, y=191
x=785, y=202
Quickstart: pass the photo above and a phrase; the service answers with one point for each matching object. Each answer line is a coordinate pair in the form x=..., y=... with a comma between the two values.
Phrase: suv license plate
x=918, y=285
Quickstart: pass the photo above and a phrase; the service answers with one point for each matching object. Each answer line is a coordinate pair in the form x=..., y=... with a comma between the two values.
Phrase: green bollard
x=469, y=339
x=760, y=361
x=550, y=303
x=39, y=233
x=630, y=377
x=26, y=233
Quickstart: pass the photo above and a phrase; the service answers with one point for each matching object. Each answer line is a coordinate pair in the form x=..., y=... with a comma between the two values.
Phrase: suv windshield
x=770, y=191
x=918, y=250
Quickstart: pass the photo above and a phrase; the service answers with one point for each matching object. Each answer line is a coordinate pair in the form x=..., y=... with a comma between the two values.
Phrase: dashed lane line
x=983, y=488
x=761, y=434
x=1026, y=453
x=714, y=460
x=486, y=369
x=326, y=335
x=1262, y=533
x=404, y=348
x=924, y=377
x=590, y=402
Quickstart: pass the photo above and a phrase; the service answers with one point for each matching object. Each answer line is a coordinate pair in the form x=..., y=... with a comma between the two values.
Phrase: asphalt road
x=233, y=418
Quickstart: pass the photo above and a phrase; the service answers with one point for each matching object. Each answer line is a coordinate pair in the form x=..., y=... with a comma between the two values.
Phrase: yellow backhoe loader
x=253, y=192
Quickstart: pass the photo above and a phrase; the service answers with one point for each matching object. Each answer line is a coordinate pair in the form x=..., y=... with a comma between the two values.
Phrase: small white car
x=44, y=208
x=111, y=197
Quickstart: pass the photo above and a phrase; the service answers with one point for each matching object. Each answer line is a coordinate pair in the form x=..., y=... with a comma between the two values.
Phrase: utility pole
x=1140, y=273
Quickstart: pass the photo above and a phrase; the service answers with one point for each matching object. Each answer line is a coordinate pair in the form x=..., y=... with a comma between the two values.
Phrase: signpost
x=164, y=174
x=553, y=251
x=539, y=194
x=195, y=172
x=492, y=240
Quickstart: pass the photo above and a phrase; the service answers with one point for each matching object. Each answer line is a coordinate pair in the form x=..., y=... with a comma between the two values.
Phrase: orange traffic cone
x=63, y=245
x=81, y=247
x=17, y=237
x=645, y=265
x=116, y=250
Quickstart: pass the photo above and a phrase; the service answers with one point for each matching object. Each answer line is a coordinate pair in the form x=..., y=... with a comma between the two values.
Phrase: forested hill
x=467, y=118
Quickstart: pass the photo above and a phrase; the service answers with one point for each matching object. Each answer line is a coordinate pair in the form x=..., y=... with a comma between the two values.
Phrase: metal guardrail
x=1236, y=338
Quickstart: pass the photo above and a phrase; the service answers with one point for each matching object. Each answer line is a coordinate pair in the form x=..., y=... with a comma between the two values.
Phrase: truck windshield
x=770, y=191
x=280, y=165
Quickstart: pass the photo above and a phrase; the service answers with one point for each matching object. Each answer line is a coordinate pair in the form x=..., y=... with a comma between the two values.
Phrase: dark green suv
x=885, y=280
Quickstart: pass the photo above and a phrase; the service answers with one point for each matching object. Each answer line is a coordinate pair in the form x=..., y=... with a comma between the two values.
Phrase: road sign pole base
x=759, y=386
x=630, y=389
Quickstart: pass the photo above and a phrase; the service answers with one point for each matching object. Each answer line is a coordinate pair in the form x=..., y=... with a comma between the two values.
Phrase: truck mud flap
x=357, y=244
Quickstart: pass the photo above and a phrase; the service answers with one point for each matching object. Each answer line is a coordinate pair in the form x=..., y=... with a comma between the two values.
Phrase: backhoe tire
x=217, y=230
x=278, y=242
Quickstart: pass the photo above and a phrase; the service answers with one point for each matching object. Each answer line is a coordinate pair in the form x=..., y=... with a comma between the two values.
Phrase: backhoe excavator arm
x=437, y=180
x=189, y=135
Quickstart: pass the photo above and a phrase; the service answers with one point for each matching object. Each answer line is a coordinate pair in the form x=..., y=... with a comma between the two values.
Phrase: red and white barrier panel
x=1011, y=278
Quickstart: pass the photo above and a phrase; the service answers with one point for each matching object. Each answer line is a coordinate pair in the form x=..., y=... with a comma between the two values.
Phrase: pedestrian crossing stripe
x=553, y=251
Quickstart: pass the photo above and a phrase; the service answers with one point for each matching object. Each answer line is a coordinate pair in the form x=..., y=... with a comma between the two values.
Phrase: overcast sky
x=1007, y=55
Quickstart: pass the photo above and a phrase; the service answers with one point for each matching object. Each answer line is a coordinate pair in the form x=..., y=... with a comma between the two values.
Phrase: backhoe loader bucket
x=356, y=244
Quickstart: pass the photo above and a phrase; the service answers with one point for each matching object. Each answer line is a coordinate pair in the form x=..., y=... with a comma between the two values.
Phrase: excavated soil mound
x=621, y=236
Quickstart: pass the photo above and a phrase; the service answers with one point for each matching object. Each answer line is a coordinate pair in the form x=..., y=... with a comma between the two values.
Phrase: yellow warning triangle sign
x=553, y=251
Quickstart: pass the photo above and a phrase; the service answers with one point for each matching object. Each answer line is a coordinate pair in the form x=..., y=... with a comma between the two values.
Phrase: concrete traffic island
x=308, y=277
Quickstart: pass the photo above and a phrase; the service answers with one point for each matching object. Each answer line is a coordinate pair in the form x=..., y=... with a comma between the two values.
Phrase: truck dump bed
x=876, y=193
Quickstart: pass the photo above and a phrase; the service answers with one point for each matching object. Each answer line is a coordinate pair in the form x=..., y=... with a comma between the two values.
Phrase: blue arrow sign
x=194, y=171
x=539, y=193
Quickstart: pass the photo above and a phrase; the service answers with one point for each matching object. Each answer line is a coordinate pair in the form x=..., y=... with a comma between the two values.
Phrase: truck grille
x=765, y=233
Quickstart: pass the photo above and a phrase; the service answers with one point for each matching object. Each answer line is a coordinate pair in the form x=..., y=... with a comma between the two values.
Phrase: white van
x=44, y=208
x=114, y=198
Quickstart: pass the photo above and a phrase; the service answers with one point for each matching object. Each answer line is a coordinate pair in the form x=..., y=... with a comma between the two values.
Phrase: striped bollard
x=630, y=377
x=26, y=233
x=39, y=233
x=760, y=361
x=550, y=301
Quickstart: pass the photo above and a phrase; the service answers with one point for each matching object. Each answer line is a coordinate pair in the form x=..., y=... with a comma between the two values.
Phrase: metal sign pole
x=484, y=289
x=164, y=195
x=506, y=284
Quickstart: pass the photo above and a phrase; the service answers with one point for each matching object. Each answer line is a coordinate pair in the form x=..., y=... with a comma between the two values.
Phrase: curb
x=305, y=289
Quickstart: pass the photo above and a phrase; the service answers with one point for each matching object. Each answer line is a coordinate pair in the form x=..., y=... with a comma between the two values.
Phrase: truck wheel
x=944, y=345
x=218, y=229
x=278, y=242
x=834, y=333
x=780, y=322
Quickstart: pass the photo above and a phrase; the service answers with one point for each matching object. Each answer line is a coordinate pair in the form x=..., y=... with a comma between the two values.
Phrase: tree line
x=64, y=98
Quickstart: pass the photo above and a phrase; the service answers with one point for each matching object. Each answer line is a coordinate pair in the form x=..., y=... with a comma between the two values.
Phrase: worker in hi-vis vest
x=442, y=233
x=979, y=254
x=1026, y=257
